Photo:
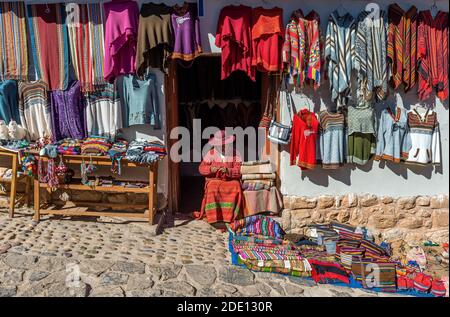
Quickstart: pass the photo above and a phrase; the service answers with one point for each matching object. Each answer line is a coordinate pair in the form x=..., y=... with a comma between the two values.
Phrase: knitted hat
x=438, y=288
x=422, y=282
x=221, y=138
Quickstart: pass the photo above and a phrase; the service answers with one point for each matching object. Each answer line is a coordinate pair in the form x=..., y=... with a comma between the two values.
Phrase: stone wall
x=413, y=218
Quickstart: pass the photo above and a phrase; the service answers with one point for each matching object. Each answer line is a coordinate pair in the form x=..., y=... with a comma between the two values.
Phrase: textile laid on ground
x=186, y=29
x=402, y=46
x=222, y=200
x=95, y=145
x=332, y=139
x=425, y=137
x=370, y=43
x=34, y=109
x=432, y=54
x=9, y=109
x=340, y=55
x=155, y=37
x=267, y=39
x=361, y=132
x=305, y=127
x=49, y=44
x=302, y=48
x=258, y=225
x=393, y=139
x=139, y=100
x=234, y=38
x=13, y=39
x=103, y=111
x=86, y=46
x=67, y=113
x=121, y=27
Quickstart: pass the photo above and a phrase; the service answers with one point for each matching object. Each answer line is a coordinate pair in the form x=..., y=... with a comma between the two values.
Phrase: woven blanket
x=262, y=201
x=258, y=224
x=265, y=168
x=270, y=176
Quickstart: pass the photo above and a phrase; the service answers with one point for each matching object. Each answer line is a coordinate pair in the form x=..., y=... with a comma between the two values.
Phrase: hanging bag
x=280, y=133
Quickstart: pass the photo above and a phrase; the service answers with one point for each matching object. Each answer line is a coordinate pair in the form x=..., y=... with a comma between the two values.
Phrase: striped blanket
x=259, y=225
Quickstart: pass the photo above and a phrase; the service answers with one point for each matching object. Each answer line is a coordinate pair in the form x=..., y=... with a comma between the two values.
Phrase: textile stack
x=258, y=185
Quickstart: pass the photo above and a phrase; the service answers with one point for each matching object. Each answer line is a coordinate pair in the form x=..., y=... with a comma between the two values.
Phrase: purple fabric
x=186, y=28
x=121, y=28
x=67, y=113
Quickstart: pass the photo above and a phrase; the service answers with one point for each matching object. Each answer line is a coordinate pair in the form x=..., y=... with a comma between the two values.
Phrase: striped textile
x=340, y=55
x=375, y=274
x=402, y=46
x=87, y=46
x=259, y=225
x=13, y=41
x=293, y=268
x=48, y=35
x=291, y=47
x=340, y=227
x=34, y=109
x=310, y=27
x=332, y=139
x=222, y=200
x=328, y=272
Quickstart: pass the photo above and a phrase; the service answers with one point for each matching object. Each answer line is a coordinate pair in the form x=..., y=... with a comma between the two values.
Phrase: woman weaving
x=221, y=167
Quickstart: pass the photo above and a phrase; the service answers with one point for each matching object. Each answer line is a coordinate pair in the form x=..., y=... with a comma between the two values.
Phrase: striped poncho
x=13, y=41
x=340, y=55
x=86, y=45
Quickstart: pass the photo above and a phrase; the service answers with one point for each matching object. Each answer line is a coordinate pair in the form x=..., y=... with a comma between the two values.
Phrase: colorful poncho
x=13, y=41
x=48, y=33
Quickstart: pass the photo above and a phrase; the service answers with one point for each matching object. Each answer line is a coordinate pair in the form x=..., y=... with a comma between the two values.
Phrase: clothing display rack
x=148, y=214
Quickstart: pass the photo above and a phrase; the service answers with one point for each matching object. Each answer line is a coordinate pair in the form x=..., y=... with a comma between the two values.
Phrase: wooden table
x=151, y=190
x=14, y=156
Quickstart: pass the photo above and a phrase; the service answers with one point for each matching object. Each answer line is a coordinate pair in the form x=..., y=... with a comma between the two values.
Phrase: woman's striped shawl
x=87, y=46
x=13, y=41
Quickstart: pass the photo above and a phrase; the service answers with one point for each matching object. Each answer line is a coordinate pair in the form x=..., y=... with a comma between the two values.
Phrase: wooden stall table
x=14, y=156
x=150, y=189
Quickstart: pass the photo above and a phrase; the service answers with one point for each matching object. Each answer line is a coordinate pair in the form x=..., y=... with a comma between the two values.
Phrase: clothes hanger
x=341, y=10
x=434, y=9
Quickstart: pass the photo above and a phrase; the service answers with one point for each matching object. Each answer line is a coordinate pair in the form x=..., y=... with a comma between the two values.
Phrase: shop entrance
x=233, y=102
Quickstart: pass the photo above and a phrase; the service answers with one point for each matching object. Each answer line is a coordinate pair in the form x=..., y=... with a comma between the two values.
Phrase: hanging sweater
x=186, y=29
x=425, y=137
x=13, y=36
x=234, y=38
x=370, y=62
x=305, y=127
x=402, y=48
x=34, y=109
x=291, y=47
x=393, y=139
x=9, y=108
x=340, y=55
x=332, y=139
x=432, y=54
x=310, y=27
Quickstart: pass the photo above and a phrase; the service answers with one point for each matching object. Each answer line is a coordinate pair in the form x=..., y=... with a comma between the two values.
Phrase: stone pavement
x=110, y=257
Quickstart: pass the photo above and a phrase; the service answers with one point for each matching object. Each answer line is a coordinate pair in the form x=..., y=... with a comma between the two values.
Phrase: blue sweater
x=9, y=107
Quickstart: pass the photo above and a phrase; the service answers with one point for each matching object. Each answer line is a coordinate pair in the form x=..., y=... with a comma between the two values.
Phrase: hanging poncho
x=13, y=41
x=86, y=46
x=370, y=62
x=432, y=54
x=291, y=47
x=186, y=28
x=34, y=109
x=340, y=55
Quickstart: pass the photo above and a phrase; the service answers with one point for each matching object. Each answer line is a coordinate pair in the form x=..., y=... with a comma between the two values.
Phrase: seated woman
x=221, y=166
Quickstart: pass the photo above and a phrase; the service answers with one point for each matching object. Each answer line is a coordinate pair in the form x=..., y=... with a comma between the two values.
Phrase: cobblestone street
x=105, y=257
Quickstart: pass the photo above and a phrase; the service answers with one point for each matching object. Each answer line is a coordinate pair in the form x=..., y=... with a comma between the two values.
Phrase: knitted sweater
x=332, y=139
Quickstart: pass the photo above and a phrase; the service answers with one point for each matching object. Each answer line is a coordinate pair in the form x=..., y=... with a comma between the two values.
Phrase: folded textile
x=251, y=163
x=259, y=176
x=257, y=168
x=254, y=186
x=324, y=272
x=266, y=182
x=272, y=267
x=264, y=200
x=95, y=145
x=258, y=224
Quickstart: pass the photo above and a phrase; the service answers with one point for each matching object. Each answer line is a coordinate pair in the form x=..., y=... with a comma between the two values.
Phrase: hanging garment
x=340, y=55
x=186, y=29
x=402, y=48
x=432, y=54
x=305, y=127
x=67, y=113
x=13, y=39
x=393, y=139
x=332, y=139
x=86, y=46
x=155, y=37
x=34, y=109
x=121, y=28
x=234, y=38
x=267, y=39
x=361, y=132
x=9, y=108
x=370, y=62
x=139, y=101
x=291, y=47
x=310, y=27
x=49, y=43
x=425, y=137
x=103, y=111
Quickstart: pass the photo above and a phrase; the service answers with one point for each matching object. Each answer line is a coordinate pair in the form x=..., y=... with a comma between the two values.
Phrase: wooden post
x=12, y=200
x=151, y=194
x=27, y=191
x=37, y=202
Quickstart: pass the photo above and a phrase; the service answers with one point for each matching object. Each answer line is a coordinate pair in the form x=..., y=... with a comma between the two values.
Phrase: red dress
x=234, y=38
x=267, y=38
x=303, y=140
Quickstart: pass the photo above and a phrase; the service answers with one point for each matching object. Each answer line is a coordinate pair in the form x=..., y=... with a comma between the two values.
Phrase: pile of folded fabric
x=95, y=145
x=69, y=146
x=117, y=151
x=257, y=242
x=258, y=185
x=143, y=151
